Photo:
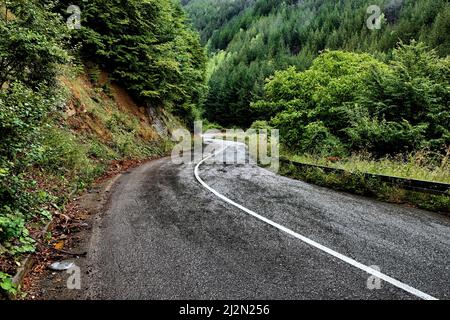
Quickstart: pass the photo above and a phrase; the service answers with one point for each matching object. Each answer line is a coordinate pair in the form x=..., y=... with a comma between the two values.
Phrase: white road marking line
x=316, y=245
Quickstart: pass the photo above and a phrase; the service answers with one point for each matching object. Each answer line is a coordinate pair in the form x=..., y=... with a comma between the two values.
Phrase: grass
x=415, y=166
x=420, y=165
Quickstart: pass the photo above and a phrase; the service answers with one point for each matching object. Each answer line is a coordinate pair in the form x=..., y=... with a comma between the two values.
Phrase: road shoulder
x=79, y=220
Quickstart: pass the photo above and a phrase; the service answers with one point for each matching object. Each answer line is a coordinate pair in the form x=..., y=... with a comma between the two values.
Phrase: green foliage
x=21, y=113
x=260, y=125
x=355, y=182
x=31, y=47
x=148, y=48
x=12, y=226
x=312, y=108
x=211, y=126
x=348, y=102
x=93, y=72
x=420, y=165
x=146, y=45
x=318, y=140
x=98, y=150
x=31, y=44
x=62, y=154
x=209, y=16
x=386, y=137
x=17, y=206
x=415, y=94
x=6, y=284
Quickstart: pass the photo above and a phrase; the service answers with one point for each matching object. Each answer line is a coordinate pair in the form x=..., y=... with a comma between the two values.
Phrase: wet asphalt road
x=164, y=236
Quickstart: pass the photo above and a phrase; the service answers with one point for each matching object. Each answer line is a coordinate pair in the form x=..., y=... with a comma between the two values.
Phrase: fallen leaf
x=59, y=245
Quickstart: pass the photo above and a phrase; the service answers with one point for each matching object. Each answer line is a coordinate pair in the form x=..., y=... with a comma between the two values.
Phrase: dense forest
x=345, y=87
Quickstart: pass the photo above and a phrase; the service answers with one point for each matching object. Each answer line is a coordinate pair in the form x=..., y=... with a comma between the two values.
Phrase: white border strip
x=316, y=245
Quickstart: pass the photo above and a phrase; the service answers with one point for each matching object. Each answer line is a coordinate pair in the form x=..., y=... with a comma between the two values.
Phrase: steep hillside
x=147, y=46
x=101, y=124
x=209, y=16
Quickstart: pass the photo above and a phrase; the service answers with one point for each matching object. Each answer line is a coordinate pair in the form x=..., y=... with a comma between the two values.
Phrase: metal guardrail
x=437, y=188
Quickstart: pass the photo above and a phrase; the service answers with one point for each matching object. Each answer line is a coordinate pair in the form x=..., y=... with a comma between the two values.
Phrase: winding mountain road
x=217, y=231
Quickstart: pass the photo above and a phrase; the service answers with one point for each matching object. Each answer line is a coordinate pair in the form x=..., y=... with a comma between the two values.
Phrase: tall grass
x=421, y=165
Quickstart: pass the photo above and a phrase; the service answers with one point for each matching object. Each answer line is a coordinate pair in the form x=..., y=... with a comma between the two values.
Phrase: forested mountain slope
x=210, y=16
x=261, y=36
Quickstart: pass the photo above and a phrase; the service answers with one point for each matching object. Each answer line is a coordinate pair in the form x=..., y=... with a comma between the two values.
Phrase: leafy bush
x=291, y=126
x=317, y=140
x=22, y=111
x=6, y=283
x=417, y=91
x=260, y=125
x=386, y=137
x=31, y=46
x=349, y=102
x=21, y=114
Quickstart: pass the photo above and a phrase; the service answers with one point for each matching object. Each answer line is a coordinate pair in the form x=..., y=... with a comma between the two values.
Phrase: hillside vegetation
x=352, y=102
x=75, y=102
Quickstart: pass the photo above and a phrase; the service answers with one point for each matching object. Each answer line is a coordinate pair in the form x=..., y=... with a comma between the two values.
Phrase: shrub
x=31, y=44
x=260, y=125
x=21, y=115
x=415, y=94
x=62, y=154
x=31, y=47
x=385, y=137
x=350, y=101
x=6, y=284
x=317, y=140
